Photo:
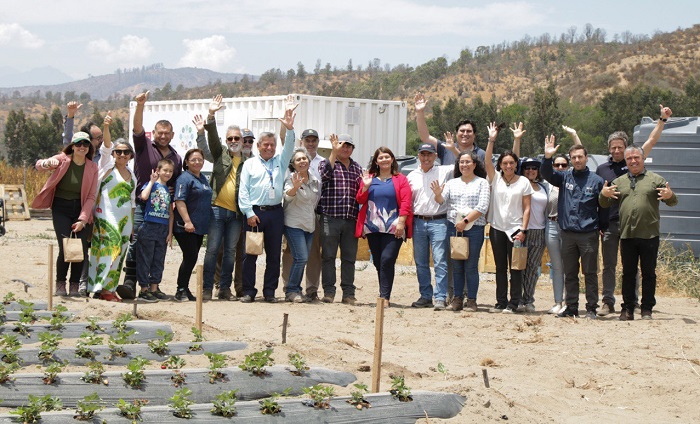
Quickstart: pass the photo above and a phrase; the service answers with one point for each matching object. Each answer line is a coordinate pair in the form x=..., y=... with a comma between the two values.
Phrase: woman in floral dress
x=113, y=216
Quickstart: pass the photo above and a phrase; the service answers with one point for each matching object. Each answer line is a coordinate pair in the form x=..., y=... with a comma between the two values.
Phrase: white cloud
x=210, y=53
x=131, y=51
x=17, y=36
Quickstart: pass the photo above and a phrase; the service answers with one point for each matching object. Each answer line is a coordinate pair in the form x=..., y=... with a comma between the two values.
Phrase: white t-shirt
x=506, y=210
x=423, y=197
x=538, y=204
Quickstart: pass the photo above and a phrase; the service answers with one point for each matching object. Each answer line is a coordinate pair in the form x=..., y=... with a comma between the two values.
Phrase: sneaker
x=556, y=309
x=74, y=289
x=127, y=290
x=270, y=299
x=497, y=309
x=568, y=312
x=312, y=297
x=626, y=315
x=470, y=305
x=184, y=294
x=61, y=289
x=422, y=303
x=226, y=294
x=529, y=308
x=295, y=297
x=591, y=315
x=520, y=308
x=350, y=300
x=457, y=304
x=159, y=294
x=439, y=305
x=247, y=299
x=206, y=294
x=646, y=314
x=607, y=309
x=328, y=298
x=508, y=310
x=147, y=296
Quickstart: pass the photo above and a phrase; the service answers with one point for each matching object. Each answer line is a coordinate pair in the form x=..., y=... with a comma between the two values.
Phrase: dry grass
x=35, y=180
x=488, y=362
x=677, y=272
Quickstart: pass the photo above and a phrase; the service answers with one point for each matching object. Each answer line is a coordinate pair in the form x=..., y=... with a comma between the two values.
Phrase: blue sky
x=81, y=37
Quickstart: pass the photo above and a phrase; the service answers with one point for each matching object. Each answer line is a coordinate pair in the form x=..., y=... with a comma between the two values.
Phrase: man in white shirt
x=429, y=228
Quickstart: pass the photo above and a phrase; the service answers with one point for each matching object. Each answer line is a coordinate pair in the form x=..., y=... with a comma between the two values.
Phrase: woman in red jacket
x=386, y=217
x=70, y=193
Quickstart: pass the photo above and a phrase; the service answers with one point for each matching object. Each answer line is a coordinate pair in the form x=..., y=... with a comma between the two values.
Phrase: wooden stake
x=486, y=377
x=378, y=336
x=50, y=278
x=285, y=320
x=200, y=289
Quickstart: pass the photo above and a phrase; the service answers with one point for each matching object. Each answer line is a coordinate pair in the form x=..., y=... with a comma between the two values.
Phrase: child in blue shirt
x=156, y=233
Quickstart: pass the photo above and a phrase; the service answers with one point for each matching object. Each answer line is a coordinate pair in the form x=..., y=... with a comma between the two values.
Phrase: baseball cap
x=427, y=147
x=309, y=133
x=247, y=133
x=530, y=162
x=345, y=138
x=80, y=136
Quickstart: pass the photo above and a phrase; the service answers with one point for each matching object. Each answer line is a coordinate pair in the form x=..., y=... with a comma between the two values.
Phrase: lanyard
x=269, y=171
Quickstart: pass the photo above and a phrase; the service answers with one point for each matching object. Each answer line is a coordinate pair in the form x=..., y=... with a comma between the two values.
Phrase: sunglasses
x=83, y=143
x=122, y=152
x=237, y=138
x=561, y=165
x=530, y=168
x=248, y=141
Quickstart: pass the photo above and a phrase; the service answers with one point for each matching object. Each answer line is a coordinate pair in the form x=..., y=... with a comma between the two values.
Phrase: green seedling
x=94, y=373
x=3, y=313
x=9, y=297
x=181, y=403
x=174, y=362
x=269, y=406
x=119, y=324
x=135, y=374
x=216, y=362
x=51, y=403
x=58, y=319
x=196, y=345
x=31, y=412
x=49, y=344
x=442, y=369
x=9, y=346
x=178, y=378
x=131, y=410
x=257, y=361
x=82, y=346
x=320, y=395
x=87, y=407
x=93, y=325
x=357, y=397
x=225, y=404
x=52, y=370
x=22, y=328
x=6, y=371
x=160, y=346
x=299, y=363
x=399, y=390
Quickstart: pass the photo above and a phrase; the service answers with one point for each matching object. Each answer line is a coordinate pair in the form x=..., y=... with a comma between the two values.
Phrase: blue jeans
x=429, y=235
x=225, y=227
x=300, y=244
x=468, y=271
x=553, y=242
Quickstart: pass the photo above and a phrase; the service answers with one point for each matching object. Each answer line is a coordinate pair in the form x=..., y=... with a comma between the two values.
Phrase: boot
x=457, y=304
x=128, y=289
x=74, y=289
x=61, y=289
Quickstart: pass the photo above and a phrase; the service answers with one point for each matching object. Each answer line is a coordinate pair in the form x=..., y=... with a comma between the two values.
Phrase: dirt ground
x=541, y=369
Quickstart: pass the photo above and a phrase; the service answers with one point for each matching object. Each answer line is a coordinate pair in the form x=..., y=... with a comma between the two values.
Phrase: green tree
x=16, y=137
x=544, y=119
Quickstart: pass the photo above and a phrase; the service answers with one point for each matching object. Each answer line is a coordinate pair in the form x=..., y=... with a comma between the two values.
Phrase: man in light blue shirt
x=260, y=199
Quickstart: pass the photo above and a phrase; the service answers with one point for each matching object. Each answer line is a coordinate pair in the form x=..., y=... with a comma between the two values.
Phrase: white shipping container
x=371, y=123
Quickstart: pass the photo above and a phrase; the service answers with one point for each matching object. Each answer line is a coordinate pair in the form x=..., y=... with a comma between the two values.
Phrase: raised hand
x=449, y=140
x=108, y=119
x=289, y=103
x=366, y=179
x=569, y=130
x=437, y=188
x=154, y=175
x=335, y=143
x=665, y=193
x=666, y=112
x=518, y=130
x=420, y=102
x=297, y=180
x=198, y=122
x=549, y=148
x=73, y=107
x=142, y=98
x=215, y=104
x=288, y=119
x=493, y=132
x=610, y=191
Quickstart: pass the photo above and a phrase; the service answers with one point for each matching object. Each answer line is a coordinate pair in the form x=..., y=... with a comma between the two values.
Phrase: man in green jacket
x=638, y=194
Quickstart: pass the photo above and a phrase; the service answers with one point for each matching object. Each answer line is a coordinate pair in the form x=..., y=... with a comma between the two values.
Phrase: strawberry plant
x=135, y=375
x=299, y=363
x=87, y=407
x=173, y=362
x=269, y=406
x=94, y=373
x=52, y=370
x=3, y=313
x=178, y=378
x=82, y=346
x=320, y=395
x=181, y=403
x=160, y=346
x=120, y=322
x=131, y=410
x=9, y=345
x=257, y=361
x=6, y=371
x=225, y=404
x=93, y=325
x=9, y=297
x=357, y=397
x=216, y=362
x=28, y=315
x=196, y=345
x=399, y=390
x=49, y=344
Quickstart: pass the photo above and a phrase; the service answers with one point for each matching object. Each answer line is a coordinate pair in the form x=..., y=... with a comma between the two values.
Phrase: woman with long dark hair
x=70, y=194
x=386, y=217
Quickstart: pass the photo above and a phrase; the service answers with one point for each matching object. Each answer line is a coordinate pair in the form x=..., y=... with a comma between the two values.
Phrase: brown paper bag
x=72, y=248
x=459, y=247
x=519, y=261
x=254, y=243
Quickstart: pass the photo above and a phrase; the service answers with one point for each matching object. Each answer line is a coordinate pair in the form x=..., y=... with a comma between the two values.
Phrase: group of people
x=321, y=206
